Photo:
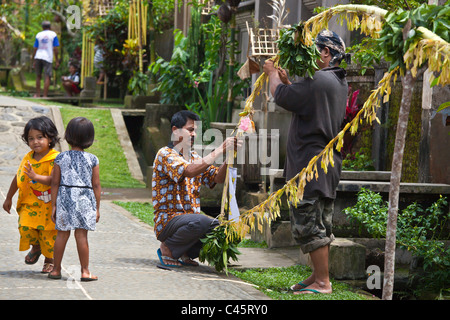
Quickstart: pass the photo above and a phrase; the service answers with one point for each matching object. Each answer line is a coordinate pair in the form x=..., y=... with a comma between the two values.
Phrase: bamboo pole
x=231, y=64
x=151, y=38
x=144, y=23
x=139, y=33
x=225, y=204
x=129, y=20
x=135, y=21
x=83, y=58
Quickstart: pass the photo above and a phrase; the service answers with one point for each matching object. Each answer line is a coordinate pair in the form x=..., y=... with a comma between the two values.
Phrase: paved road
x=122, y=249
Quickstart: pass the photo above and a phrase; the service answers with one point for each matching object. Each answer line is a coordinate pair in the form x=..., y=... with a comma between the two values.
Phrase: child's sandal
x=33, y=257
x=48, y=267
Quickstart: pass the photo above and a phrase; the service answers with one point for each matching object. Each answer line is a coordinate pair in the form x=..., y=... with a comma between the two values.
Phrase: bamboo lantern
x=104, y=6
x=263, y=42
x=207, y=6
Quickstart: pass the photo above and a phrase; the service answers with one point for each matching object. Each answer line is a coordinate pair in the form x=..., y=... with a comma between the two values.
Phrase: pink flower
x=196, y=84
x=246, y=125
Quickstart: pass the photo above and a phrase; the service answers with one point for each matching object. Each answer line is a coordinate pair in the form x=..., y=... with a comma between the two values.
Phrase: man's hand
x=231, y=143
x=283, y=76
x=200, y=165
x=270, y=70
x=269, y=67
x=276, y=76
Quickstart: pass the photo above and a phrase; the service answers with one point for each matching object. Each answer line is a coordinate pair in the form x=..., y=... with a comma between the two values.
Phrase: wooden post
x=139, y=27
x=151, y=26
x=379, y=136
x=425, y=132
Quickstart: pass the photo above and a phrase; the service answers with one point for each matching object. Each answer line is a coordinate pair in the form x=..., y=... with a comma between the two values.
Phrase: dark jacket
x=318, y=109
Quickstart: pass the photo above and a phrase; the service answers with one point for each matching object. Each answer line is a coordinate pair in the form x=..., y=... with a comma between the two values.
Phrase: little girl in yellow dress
x=33, y=180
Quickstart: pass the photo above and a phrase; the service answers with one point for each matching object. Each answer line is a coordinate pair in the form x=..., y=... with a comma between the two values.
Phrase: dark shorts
x=183, y=233
x=43, y=65
x=311, y=223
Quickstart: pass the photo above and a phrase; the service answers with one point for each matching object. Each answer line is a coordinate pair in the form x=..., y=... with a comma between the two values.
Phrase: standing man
x=178, y=173
x=45, y=47
x=318, y=109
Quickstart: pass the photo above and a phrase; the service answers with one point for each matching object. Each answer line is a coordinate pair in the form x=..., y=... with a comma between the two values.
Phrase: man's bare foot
x=303, y=284
x=166, y=256
x=316, y=288
x=185, y=260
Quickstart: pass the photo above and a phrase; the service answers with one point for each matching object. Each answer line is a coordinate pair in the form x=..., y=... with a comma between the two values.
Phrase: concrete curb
x=126, y=144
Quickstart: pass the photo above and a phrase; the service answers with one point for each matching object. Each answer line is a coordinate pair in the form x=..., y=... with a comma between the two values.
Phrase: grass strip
x=143, y=211
x=276, y=283
x=114, y=172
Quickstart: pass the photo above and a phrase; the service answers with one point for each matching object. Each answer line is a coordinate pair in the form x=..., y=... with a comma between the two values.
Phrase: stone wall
x=156, y=128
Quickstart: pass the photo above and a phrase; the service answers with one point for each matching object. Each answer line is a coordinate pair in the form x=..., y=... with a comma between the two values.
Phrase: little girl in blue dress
x=75, y=195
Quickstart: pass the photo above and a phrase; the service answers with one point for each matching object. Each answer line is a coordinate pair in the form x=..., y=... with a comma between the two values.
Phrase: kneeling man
x=178, y=173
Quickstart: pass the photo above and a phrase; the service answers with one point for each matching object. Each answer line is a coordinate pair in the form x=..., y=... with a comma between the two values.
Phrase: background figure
x=98, y=62
x=33, y=181
x=76, y=195
x=45, y=47
x=71, y=83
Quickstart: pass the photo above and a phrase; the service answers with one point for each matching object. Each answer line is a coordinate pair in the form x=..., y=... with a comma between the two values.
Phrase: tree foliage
x=295, y=56
x=393, y=47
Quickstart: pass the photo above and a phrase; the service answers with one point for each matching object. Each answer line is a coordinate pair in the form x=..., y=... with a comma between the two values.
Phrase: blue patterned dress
x=76, y=206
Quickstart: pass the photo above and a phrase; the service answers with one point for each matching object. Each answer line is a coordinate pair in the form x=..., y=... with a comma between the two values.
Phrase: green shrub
x=359, y=161
x=420, y=231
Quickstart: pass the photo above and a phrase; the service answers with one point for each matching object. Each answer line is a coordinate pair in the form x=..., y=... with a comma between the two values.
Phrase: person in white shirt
x=98, y=62
x=45, y=47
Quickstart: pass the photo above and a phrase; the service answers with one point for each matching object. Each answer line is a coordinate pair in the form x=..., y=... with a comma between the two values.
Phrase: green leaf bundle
x=295, y=56
x=217, y=249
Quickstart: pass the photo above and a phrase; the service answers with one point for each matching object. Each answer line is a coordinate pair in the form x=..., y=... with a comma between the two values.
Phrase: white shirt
x=75, y=77
x=45, y=41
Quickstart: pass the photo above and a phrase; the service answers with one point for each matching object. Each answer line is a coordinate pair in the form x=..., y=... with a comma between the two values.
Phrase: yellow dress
x=34, y=205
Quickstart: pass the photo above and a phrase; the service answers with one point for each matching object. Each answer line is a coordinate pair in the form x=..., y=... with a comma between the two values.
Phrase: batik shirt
x=173, y=194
